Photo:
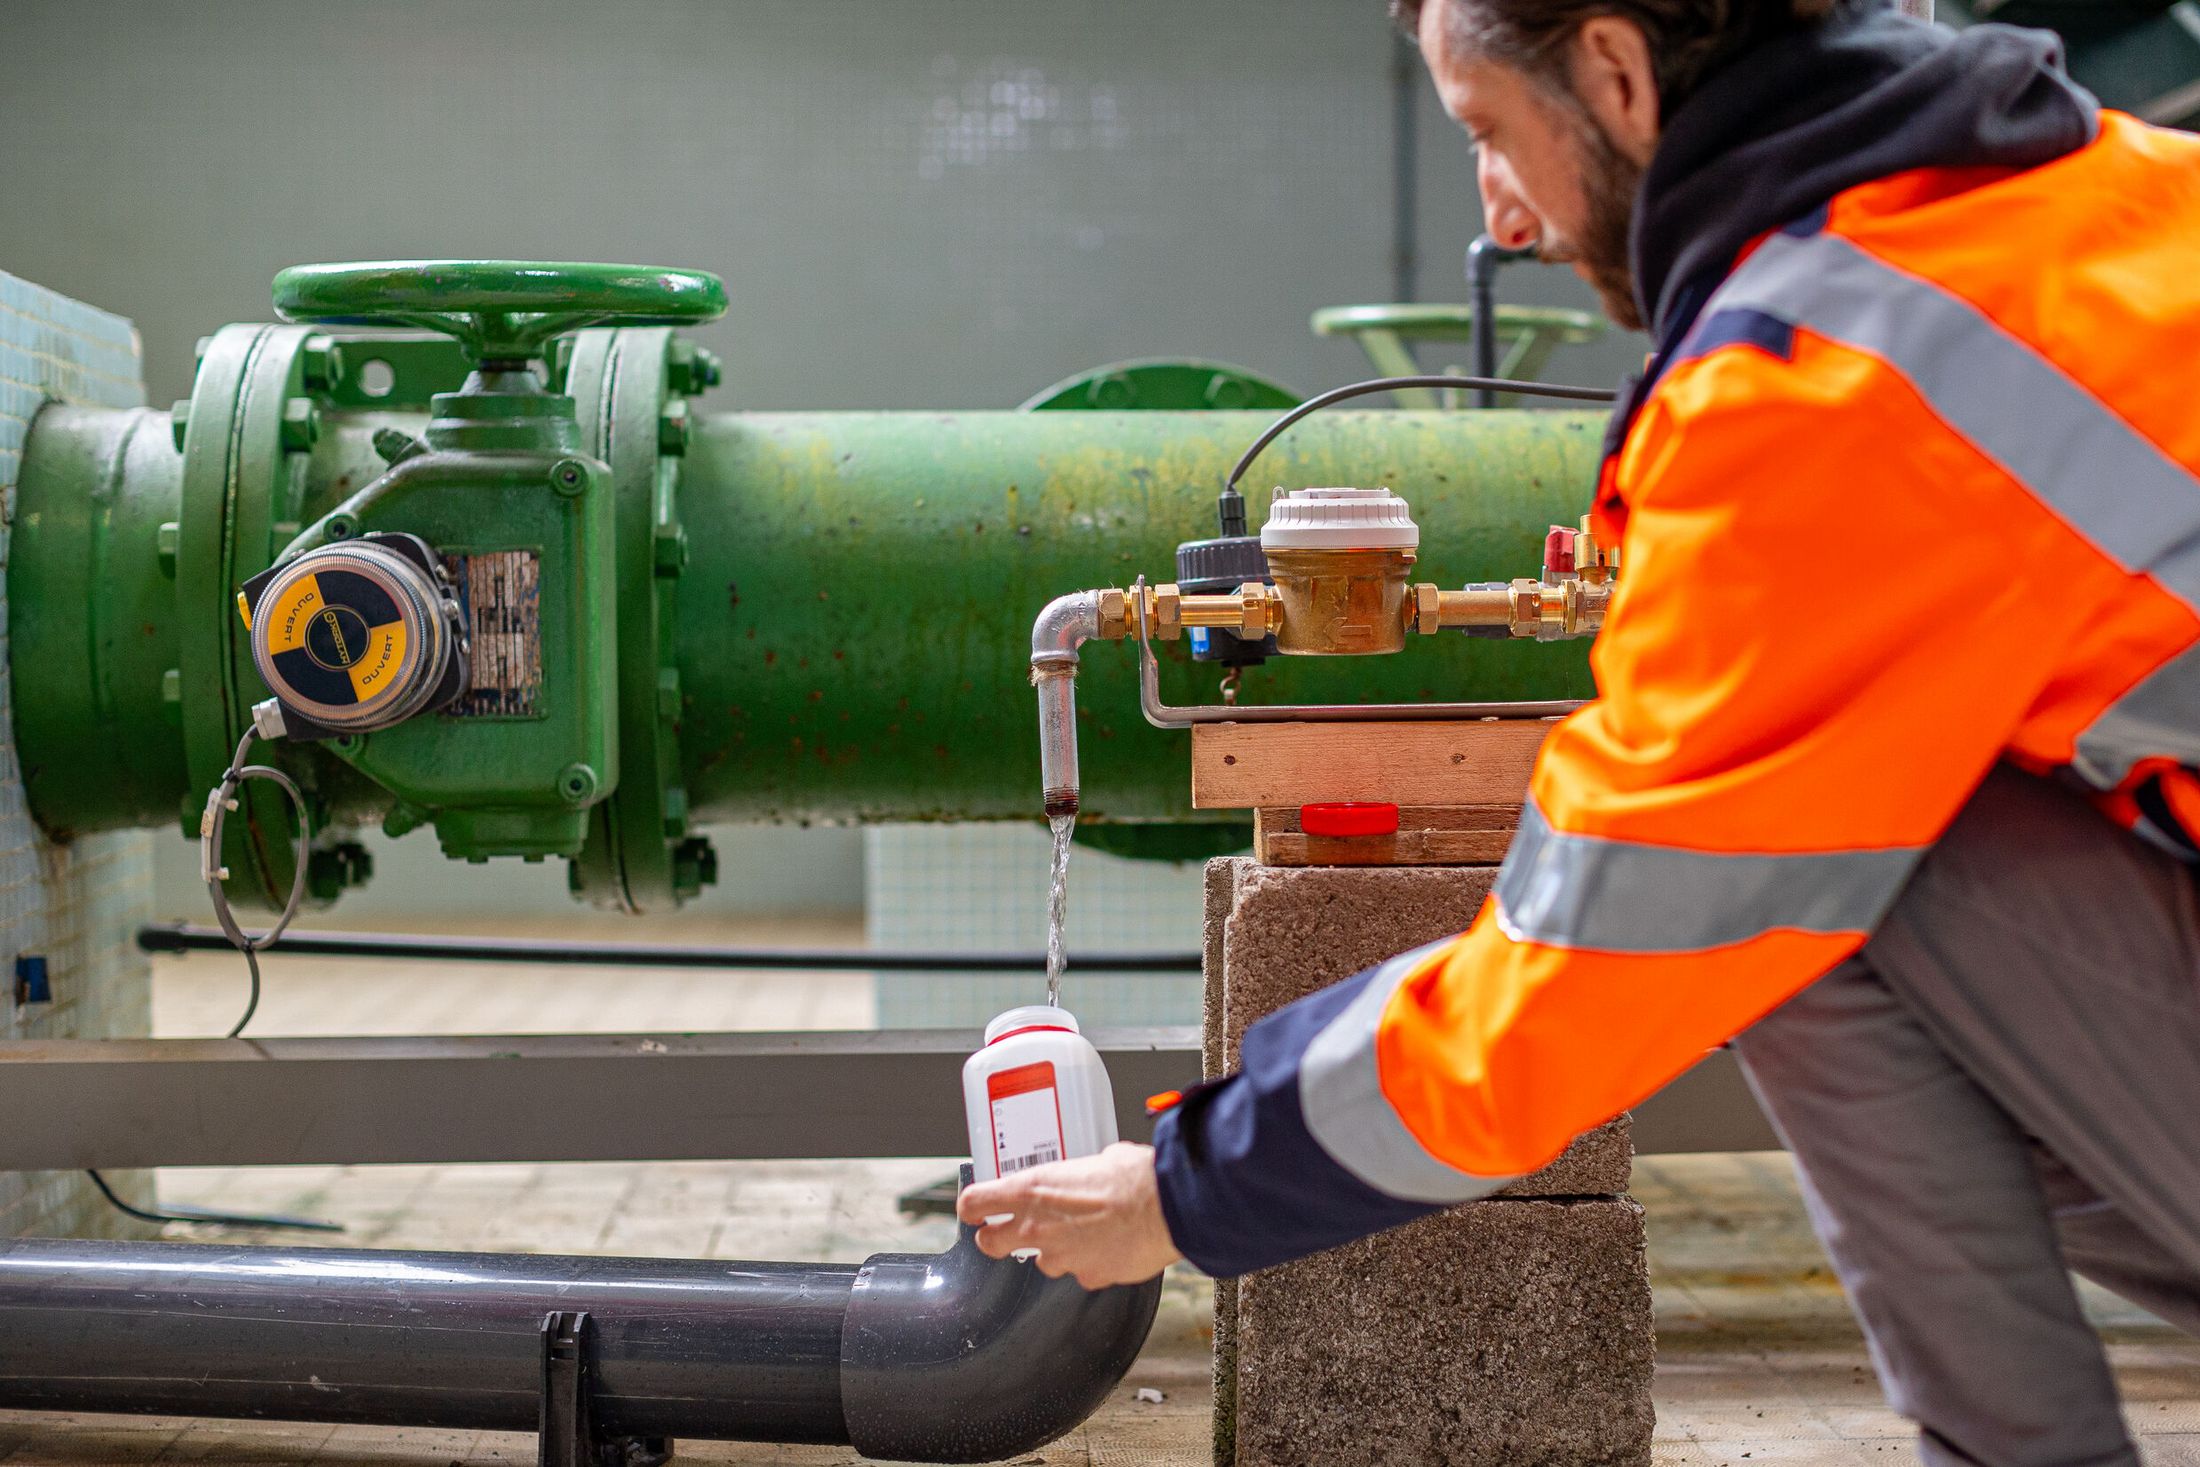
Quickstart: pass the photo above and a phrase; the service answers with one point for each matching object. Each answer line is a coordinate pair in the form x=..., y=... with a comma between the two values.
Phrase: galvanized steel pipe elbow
x=1067, y=623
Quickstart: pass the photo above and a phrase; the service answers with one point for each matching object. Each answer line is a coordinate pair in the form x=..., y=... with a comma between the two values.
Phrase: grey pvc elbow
x=949, y=1358
x=1067, y=623
x=957, y=1357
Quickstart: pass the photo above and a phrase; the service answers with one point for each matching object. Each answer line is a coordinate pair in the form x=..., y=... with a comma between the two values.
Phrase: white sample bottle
x=1036, y=1092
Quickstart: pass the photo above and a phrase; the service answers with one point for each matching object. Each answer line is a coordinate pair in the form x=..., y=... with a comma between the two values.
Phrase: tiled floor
x=1759, y=1361
x=1759, y=1358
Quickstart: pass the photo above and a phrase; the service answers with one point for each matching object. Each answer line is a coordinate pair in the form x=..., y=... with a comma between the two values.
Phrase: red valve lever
x=1558, y=553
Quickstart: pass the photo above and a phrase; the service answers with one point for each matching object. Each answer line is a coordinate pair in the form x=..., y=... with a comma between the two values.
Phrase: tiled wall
x=983, y=888
x=78, y=905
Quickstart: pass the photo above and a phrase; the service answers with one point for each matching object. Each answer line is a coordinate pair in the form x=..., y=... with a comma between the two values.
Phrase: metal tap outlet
x=1067, y=623
x=1110, y=614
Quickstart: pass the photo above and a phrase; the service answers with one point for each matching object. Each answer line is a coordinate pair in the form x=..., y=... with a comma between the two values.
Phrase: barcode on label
x=1027, y=1118
x=1013, y=1164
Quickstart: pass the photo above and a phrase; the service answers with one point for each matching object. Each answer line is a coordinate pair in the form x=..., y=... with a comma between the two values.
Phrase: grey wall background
x=914, y=203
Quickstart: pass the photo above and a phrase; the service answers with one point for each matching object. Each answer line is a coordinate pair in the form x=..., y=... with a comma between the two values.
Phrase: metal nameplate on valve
x=501, y=592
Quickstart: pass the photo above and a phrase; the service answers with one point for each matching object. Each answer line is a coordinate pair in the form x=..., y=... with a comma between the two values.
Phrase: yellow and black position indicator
x=356, y=636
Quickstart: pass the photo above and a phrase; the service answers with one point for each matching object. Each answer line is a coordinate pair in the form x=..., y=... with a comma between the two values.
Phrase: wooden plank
x=1242, y=766
x=1284, y=819
x=1467, y=835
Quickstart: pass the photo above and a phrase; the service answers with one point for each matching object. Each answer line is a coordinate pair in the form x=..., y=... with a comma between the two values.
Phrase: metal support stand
x=568, y=1437
x=567, y=1429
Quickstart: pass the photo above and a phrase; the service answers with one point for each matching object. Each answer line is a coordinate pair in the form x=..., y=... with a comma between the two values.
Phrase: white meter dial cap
x=1339, y=519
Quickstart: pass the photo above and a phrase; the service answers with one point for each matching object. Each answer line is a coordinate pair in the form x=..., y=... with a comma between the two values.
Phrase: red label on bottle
x=1027, y=1118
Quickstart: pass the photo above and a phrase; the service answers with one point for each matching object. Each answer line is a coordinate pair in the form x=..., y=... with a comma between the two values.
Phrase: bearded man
x=1890, y=776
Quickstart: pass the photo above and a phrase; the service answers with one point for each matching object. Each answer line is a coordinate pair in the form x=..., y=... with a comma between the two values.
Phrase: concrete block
x=1221, y=882
x=1220, y=879
x=1286, y=931
x=1511, y=1334
x=1598, y=1164
x=1292, y=930
x=1513, y=1330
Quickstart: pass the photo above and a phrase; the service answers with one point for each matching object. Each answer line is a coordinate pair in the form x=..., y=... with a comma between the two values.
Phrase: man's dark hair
x=1688, y=38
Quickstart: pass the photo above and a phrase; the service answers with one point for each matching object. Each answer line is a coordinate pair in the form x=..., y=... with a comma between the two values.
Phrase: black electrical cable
x=205, y=1215
x=1386, y=384
x=218, y=805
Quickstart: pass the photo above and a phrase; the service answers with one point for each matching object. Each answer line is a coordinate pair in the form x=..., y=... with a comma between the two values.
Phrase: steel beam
x=420, y=947
x=1709, y=1108
x=560, y=1097
x=117, y=1103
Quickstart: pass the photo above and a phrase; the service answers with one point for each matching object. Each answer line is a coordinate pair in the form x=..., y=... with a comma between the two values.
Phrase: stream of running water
x=1057, y=903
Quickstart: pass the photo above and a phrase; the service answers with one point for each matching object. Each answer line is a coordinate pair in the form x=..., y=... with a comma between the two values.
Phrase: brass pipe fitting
x=1543, y=610
x=1527, y=598
x=1114, y=613
x=1436, y=609
x=1359, y=603
x=1252, y=610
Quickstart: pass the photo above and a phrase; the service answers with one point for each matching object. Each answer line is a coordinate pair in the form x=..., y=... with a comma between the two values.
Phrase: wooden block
x=1454, y=835
x=1250, y=766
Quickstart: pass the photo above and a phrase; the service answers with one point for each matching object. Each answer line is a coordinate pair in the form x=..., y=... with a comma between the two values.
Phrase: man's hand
x=1097, y=1218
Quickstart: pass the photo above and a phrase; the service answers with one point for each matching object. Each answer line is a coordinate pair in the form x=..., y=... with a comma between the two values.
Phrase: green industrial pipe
x=790, y=616
x=856, y=616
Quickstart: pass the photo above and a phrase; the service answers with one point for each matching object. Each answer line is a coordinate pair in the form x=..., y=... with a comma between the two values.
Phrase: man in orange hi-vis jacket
x=1890, y=777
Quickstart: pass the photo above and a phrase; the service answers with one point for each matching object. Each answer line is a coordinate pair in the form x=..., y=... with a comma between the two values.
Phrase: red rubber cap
x=1349, y=817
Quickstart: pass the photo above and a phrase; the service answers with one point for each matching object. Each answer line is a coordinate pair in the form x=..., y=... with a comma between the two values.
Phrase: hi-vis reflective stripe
x=2159, y=718
x=1341, y=1097
x=2107, y=481
x=1585, y=891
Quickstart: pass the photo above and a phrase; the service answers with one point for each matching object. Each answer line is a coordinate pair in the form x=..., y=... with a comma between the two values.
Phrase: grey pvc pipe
x=948, y=1358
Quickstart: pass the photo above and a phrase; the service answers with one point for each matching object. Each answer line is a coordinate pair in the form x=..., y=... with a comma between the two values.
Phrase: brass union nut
x=1167, y=621
x=1426, y=608
x=1115, y=615
x=1527, y=607
x=1261, y=615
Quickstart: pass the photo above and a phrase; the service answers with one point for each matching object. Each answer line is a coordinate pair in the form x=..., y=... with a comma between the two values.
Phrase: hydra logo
x=336, y=637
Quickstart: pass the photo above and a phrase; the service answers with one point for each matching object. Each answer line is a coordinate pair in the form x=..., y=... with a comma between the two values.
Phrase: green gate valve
x=521, y=521
x=503, y=313
x=1388, y=334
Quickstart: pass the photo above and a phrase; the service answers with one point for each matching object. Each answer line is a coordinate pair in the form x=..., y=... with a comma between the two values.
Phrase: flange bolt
x=577, y=784
x=301, y=424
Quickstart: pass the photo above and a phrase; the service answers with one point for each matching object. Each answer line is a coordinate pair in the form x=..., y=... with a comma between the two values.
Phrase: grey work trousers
x=2004, y=1084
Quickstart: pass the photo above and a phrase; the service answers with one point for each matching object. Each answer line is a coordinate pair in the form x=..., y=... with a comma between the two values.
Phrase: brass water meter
x=1338, y=559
